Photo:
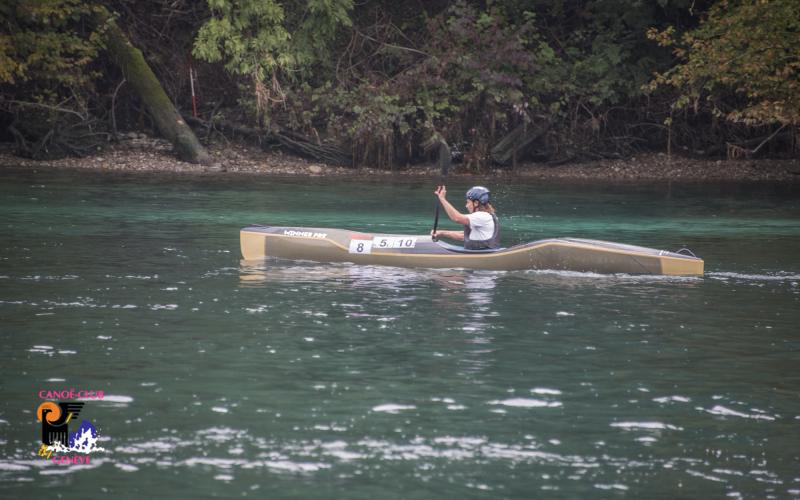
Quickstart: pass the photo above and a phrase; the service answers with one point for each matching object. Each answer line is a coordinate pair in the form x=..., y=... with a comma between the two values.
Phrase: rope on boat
x=687, y=252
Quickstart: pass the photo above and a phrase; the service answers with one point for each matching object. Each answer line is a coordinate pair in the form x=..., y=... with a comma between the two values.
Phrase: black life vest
x=493, y=242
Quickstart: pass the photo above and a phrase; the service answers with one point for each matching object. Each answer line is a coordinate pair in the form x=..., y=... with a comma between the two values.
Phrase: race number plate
x=360, y=246
x=394, y=242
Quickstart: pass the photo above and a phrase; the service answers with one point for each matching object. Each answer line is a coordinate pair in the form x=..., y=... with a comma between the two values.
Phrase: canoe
x=402, y=250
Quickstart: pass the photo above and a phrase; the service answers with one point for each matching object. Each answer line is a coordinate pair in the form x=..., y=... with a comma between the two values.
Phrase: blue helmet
x=479, y=194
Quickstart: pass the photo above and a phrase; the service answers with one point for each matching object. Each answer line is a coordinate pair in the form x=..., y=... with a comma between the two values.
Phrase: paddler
x=481, y=227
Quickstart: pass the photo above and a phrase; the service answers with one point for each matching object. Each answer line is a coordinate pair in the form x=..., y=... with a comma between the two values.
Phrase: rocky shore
x=139, y=153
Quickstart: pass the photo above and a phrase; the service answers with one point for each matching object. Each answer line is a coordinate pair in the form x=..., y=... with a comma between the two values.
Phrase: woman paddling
x=481, y=227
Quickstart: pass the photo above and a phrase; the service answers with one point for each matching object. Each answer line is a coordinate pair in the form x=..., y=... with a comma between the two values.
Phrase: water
x=287, y=380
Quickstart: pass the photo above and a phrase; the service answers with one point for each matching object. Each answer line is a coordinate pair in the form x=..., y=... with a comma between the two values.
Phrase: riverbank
x=139, y=153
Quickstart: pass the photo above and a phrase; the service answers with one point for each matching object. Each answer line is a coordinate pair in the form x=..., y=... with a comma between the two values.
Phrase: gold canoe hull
x=572, y=254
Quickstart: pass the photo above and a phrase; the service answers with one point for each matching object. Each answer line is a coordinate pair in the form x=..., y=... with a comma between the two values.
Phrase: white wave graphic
x=85, y=443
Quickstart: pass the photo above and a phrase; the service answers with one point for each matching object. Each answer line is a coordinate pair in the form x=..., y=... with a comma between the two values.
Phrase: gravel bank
x=138, y=153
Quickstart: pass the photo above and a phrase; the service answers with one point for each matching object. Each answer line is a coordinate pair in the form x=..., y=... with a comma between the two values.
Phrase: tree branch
x=45, y=106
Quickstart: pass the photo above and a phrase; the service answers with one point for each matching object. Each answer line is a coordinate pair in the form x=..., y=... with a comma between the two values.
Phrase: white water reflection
x=476, y=286
x=232, y=452
x=259, y=273
x=463, y=299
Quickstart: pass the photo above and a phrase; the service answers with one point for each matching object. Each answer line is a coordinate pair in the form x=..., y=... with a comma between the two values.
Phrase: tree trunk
x=138, y=73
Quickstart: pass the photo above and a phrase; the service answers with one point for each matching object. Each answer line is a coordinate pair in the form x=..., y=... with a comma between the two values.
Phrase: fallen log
x=290, y=141
x=305, y=147
x=517, y=143
x=138, y=74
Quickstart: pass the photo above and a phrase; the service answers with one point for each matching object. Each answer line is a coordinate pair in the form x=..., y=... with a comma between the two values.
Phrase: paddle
x=444, y=165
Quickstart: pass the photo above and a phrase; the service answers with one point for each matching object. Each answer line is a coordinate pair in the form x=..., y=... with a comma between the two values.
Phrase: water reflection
x=462, y=299
x=575, y=279
x=476, y=286
x=259, y=273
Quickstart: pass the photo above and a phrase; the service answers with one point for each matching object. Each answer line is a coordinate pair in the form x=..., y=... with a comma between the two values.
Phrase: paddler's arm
x=453, y=235
x=449, y=209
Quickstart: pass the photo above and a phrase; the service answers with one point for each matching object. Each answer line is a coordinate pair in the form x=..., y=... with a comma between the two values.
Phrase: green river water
x=298, y=380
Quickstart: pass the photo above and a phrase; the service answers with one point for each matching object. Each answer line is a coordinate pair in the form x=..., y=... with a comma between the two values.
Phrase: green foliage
x=464, y=83
x=385, y=78
x=742, y=62
x=260, y=40
x=248, y=36
x=472, y=74
x=48, y=50
x=47, y=46
x=478, y=60
x=317, y=29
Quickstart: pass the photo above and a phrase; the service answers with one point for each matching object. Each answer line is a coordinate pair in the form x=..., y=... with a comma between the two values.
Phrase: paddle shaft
x=444, y=164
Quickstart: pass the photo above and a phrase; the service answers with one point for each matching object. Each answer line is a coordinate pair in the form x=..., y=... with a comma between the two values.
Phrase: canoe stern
x=253, y=244
x=671, y=266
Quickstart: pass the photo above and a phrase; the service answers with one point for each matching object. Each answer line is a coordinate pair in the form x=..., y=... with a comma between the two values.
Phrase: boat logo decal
x=304, y=234
x=55, y=417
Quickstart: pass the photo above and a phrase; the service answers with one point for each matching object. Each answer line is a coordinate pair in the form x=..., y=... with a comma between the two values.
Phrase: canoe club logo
x=56, y=417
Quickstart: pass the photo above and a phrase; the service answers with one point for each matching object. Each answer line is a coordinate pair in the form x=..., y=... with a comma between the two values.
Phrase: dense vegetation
x=381, y=82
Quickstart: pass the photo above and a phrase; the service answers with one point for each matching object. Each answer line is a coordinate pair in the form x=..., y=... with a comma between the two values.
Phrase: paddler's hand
x=435, y=235
x=441, y=192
